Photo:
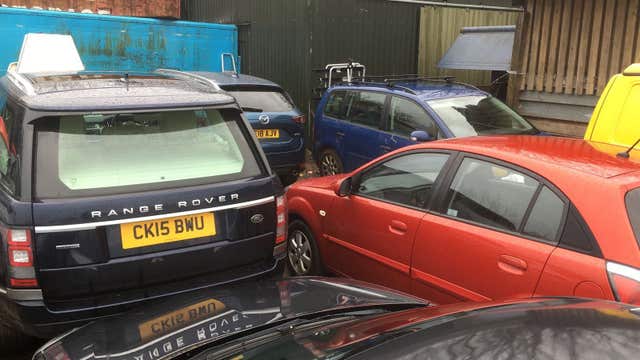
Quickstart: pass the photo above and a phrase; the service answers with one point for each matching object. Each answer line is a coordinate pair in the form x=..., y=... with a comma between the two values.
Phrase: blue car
x=278, y=124
x=357, y=122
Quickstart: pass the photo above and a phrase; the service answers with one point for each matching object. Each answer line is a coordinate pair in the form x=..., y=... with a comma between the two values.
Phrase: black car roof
x=89, y=91
x=528, y=329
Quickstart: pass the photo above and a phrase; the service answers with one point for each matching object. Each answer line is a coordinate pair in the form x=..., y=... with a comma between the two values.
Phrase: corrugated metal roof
x=481, y=48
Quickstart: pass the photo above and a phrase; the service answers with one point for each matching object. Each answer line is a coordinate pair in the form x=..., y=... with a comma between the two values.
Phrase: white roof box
x=48, y=53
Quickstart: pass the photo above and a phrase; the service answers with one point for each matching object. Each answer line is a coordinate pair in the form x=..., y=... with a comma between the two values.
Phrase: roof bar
x=421, y=78
x=188, y=76
x=233, y=62
x=387, y=84
x=350, y=66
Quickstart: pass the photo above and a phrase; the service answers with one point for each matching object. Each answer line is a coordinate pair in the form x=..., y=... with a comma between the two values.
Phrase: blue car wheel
x=330, y=163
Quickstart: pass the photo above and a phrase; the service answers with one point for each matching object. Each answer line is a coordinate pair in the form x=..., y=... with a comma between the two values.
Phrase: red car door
x=489, y=238
x=370, y=233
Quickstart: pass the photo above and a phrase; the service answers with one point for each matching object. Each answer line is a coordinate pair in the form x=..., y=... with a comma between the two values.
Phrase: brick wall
x=141, y=8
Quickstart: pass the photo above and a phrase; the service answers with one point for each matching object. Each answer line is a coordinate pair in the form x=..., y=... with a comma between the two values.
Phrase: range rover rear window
x=103, y=154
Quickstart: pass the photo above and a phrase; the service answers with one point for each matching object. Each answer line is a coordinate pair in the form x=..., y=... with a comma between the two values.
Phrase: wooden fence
x=575, y=46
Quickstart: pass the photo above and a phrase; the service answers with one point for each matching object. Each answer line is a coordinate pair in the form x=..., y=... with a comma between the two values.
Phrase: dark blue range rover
x=278, y=124
x=120, y=188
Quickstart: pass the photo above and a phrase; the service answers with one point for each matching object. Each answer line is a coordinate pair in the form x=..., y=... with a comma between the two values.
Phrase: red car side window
x=490, y=194
x=406, y=180
x=546, y=216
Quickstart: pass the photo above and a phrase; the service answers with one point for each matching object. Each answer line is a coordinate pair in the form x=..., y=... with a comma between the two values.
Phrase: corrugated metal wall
x=439, y=28
x=142, y=8
x=575, y=46
x=283, y=40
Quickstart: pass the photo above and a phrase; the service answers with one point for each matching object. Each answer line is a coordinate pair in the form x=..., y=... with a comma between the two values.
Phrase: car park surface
x=278, y=124
x=359, y=121
x=309, y=318
x=477, y=219
x=156, y=175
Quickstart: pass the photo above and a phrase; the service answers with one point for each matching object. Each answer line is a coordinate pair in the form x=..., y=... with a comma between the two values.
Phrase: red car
x=477, y=219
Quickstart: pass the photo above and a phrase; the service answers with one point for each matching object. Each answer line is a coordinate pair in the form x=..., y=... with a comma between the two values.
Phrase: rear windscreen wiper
x=251, y=109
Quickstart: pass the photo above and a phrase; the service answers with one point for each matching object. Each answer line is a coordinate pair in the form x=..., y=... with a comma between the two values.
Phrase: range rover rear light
x=19, y=237
x=20, y=256
x=625, y=282
x=23, y=283
x=281, y=215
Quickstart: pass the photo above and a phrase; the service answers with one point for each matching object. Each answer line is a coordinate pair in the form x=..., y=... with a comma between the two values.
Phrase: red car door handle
x=512, y=264
x=398, y=227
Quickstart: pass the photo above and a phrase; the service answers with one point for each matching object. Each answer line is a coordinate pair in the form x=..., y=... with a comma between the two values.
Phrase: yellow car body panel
x=616, y=119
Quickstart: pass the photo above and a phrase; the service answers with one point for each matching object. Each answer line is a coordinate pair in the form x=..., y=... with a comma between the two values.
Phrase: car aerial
x=320, y=318
x=614, y=119
x=278, y=124
x=118, y=188
x=477, y=219
x=356, y=122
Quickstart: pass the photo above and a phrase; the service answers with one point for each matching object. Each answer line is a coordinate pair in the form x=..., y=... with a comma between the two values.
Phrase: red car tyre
x=303, y=256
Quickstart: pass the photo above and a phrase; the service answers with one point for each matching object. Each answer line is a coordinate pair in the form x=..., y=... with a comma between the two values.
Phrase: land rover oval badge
x=257, y=218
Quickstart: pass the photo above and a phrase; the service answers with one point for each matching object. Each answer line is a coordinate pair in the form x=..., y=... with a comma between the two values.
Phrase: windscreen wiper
x=251, y=109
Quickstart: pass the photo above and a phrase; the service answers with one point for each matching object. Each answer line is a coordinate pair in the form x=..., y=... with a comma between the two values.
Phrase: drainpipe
x=464, y=6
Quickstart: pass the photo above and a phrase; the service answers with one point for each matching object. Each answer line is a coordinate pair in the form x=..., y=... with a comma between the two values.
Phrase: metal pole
x=443, y=4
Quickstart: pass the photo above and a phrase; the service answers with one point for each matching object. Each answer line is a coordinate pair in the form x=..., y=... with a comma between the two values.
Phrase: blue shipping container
x=123, y=43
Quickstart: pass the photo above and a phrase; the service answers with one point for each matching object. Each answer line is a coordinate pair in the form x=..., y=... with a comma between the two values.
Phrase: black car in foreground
x=311, y=318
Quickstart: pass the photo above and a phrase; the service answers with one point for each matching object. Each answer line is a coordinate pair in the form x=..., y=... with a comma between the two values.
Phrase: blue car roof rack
x=385, y=84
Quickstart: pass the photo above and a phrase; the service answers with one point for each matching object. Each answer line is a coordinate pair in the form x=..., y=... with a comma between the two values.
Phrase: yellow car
x=617, y=116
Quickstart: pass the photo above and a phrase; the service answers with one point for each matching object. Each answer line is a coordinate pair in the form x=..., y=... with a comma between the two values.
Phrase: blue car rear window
x=262, y=101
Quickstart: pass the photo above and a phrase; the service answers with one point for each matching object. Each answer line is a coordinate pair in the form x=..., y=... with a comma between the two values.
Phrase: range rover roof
x=88, y=91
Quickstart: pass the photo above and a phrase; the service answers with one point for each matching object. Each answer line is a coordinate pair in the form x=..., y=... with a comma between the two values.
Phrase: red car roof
x=541, y=153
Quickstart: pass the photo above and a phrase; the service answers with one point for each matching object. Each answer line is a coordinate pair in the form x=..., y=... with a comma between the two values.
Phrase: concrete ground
x=310, y=168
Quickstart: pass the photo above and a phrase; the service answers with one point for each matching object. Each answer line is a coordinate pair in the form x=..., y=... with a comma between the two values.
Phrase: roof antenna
x=625, y=154
x=126, y=80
